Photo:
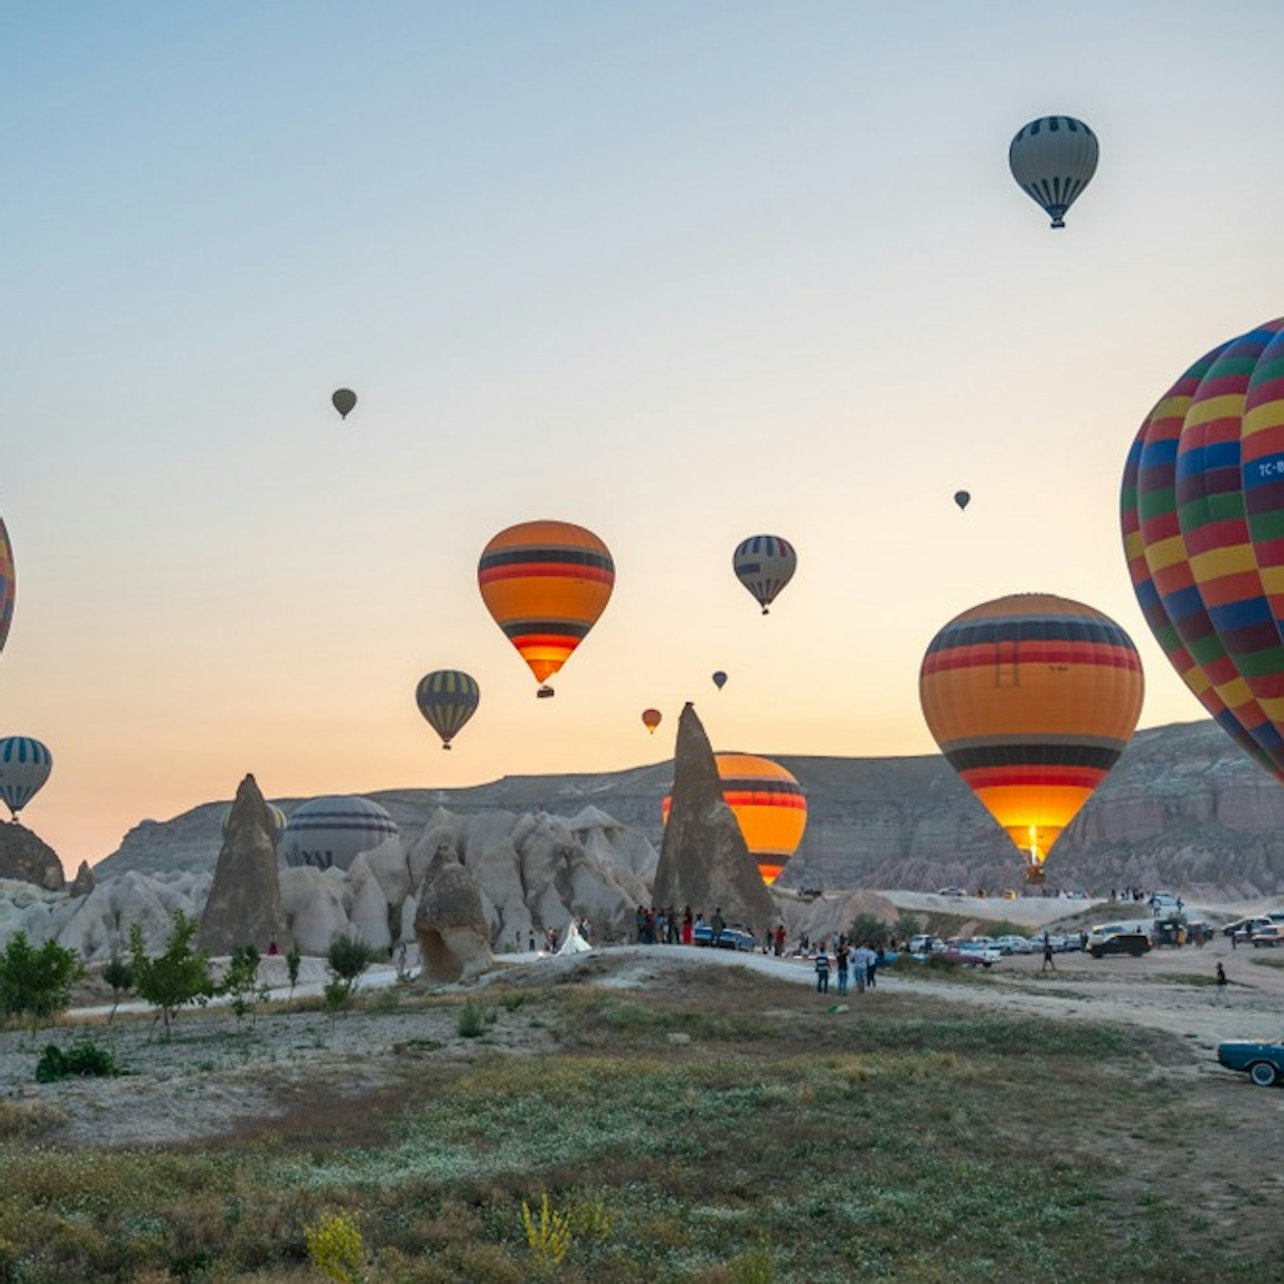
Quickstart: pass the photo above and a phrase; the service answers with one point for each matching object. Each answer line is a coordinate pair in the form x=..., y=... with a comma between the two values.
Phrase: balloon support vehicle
x=732, y=938
x=1262, y=1062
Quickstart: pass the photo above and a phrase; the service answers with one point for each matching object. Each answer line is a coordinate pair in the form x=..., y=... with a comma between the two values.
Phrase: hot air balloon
x=1202, y=508
x=546, y=584
x=1053, y=159
x=8, y=584
x=769, y=807
x=344, y=401
x=651, y=718
x=764, y=564
x=1032, y=699
x=334, y=831
x=719, y=679
x=25, y=765
x=276, y=819
x=447, y=698
x=962, y=498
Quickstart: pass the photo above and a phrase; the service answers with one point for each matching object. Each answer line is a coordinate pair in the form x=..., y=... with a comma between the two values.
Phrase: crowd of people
x=858, y=962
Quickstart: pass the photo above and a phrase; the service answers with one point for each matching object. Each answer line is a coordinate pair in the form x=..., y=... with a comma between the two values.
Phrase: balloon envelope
x=1053, y=159
x=334, y=831
x=8, y=584
x=1032, y=699
x=651, y=718
x=25, y=765
x=545, y=585
x=769, y=806
x=962, y=498
x=344, y=401
x=447, y=698
x=764, y=564
x=719, y=679
x=1202, y=508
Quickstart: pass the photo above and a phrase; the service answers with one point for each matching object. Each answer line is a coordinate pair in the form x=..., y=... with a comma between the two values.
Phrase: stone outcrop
x=244, y=904
x=450, y=926
x=84, y=882
x=28, y=858
x=704, y=862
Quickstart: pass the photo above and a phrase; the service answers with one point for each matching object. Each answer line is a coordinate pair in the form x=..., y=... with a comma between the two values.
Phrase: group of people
x=668, y=926
x=860, y=961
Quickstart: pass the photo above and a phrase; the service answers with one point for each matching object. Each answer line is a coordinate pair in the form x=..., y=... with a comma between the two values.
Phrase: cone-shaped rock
x=450, y=925
x=704, y=862
x=30, y=859
x=244, y=906
x=84, y=882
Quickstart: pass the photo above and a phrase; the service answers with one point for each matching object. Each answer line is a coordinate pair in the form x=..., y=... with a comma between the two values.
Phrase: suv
x=1134, y=943
x=925, y=944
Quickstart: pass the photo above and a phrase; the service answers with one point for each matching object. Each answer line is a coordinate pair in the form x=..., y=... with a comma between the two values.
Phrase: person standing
x=717, y=925
x=841, y=955
x=822, y=971
x=1048, y=961
x=687, y=922
x=780, y=939
x=1222, y=995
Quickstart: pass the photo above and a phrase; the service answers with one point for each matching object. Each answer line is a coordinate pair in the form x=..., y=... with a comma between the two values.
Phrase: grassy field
x=726, y=1129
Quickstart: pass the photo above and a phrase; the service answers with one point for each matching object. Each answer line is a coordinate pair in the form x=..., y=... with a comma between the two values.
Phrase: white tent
x=574, y=943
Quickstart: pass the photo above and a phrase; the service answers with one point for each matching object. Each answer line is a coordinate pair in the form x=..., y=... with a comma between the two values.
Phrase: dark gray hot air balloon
x=962, y=498
x=343, y=400
x=1053, y=159
x=719, y=679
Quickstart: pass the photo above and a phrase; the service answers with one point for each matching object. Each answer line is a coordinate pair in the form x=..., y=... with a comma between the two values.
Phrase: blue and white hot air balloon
x=1053, y=159
x=25, y=765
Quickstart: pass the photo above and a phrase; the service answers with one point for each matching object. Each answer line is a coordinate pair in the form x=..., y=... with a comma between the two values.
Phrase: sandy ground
x=216, y=1077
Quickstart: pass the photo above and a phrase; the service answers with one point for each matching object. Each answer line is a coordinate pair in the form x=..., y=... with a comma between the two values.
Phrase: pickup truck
x=1263, y=1062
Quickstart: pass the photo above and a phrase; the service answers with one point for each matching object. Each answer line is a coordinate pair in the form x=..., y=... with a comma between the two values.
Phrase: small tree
x=176, y=978
x=241, y=981
x=905, y=927
x=869, y=929
x=35, y=984
x=349, y=956
x=120, y=976
x=292, y=961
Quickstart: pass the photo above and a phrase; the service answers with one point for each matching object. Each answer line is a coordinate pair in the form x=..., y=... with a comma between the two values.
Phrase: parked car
x=951, y=891
x=1273, y=935
x=1133, y=943
x=1074, y=940
x=970, y=953
x=1015, y=944
x=1104, y=931
x=926, y=944
x=1242, y=928
x=1263, y=1062
x=732, y=938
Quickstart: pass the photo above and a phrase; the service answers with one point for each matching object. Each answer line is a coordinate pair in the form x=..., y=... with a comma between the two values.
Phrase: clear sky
x=680, y=273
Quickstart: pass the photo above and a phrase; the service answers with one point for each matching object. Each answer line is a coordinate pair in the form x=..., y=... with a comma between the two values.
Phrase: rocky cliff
x=1184, y=808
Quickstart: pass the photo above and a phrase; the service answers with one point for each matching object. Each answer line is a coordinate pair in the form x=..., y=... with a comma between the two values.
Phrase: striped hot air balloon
x=1203, y=526
x=335, y=830
x=769, y=807
x=8, y=584
x=545, y=584
x=25, y=765
x=447, y=698
x=1032, y=699
x=1053, y=159
x=764, y=564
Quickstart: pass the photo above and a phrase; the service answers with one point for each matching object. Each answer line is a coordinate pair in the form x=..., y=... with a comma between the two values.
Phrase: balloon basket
x=545, y=693
x=1034, y=874
x=446, y=748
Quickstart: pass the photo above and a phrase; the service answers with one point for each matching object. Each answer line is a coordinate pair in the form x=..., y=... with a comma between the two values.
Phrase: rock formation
x=704, y=862
x=453, y=935
x=244, y=905
x=28, y=858
x=84, y=882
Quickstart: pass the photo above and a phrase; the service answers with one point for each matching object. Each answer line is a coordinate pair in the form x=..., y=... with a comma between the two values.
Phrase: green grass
x=904, y=1141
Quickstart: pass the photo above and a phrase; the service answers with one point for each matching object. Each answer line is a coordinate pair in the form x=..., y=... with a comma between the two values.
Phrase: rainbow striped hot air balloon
x=545, y=584
x=1032, y=699
x=1203, y=526
x=8, y=584
x=769, y=807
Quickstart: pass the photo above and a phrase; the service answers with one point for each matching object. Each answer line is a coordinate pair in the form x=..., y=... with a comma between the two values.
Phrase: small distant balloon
x=1053, y=159
x=764, y=564
x=447, y=698
x=25, y=765
x=651, y=718
x=344, y=401
x=962, y=498
x=719, y=679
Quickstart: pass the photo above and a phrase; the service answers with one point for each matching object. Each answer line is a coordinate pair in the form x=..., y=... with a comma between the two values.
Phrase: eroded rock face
x=244, y=905
x=84, y=882
x=29, y=859
x=451, y=927
x=704, y=862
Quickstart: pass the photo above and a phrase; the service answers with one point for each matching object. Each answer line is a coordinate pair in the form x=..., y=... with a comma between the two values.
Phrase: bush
x=86, y=1059
x=348, y=957
x=35, y=984
x=336, y=1248
x=241, y=981
x=120, y=976
x=176, y=978
x=472, y=1020
x=869, y=930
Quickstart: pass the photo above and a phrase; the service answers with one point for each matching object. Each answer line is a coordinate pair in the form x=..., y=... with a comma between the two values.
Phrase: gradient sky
x=681, y=273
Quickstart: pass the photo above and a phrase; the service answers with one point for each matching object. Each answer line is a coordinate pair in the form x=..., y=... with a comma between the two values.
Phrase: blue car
x=1263, y=1062
x=732, y=938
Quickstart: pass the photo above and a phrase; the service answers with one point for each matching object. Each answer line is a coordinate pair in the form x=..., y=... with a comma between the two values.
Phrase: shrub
x=241, y=981
x=335, y=996
x=292, y=960
x=35, y=984
x=472, y=1020
x=548, y=1236
x=336, y=1248
x=348, y=957
x=176, y=978
x=869, y=929
x=86, y=1059
x=120, y=976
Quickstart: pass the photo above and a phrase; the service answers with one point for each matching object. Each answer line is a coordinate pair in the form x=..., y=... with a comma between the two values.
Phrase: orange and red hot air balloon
x=1032, y=699
x=769, y=807
x=545, y=584
x=651, y=718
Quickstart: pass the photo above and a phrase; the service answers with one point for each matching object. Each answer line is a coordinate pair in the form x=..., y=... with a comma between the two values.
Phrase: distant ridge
x=1184, y=808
